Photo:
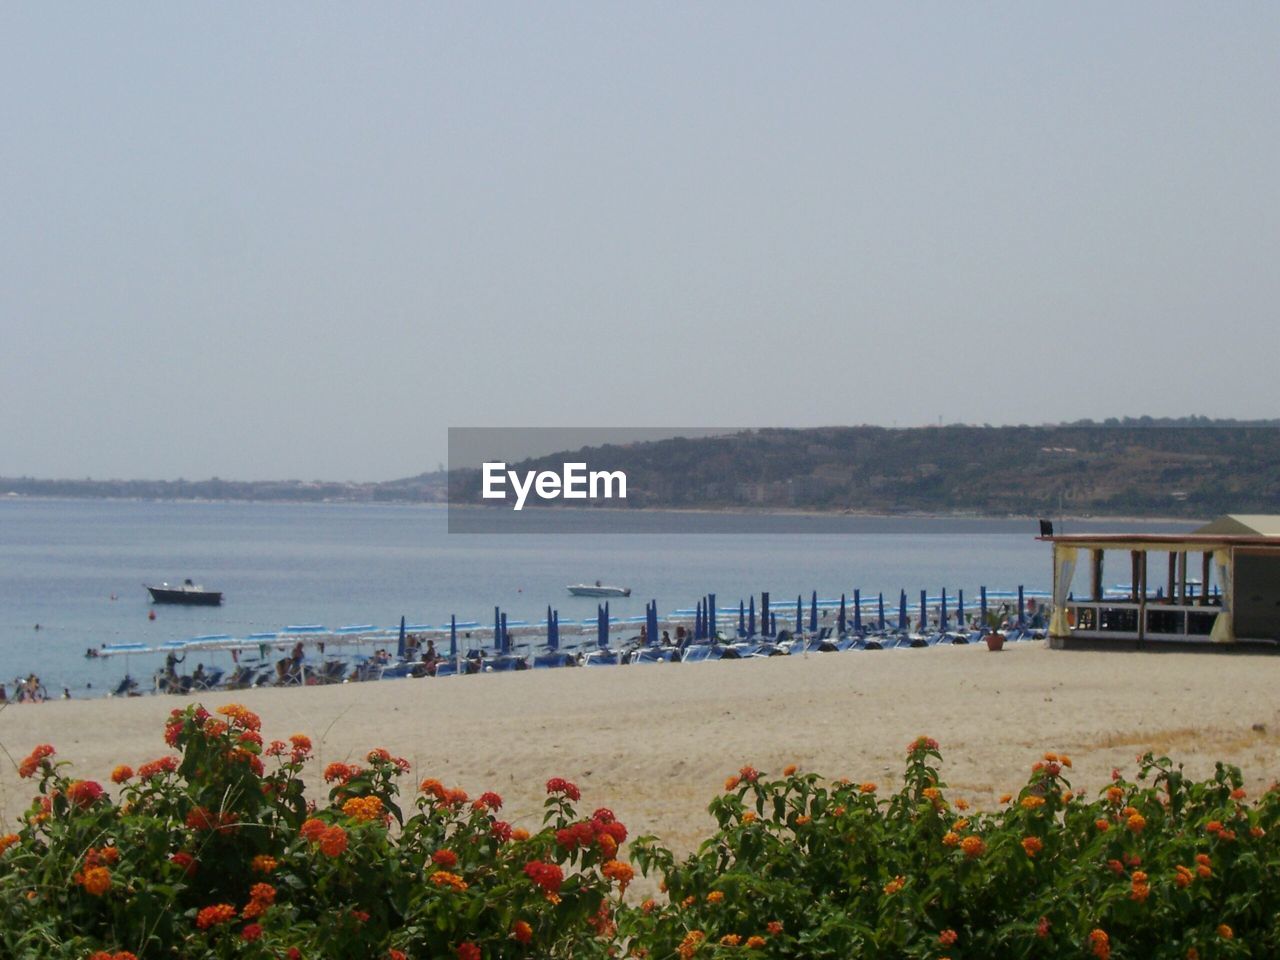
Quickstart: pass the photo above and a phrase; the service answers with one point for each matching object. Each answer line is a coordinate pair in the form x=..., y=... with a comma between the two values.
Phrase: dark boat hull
x=191, y=598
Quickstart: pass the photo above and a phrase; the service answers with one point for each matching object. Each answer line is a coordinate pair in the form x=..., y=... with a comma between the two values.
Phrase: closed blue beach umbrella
x=602, y=628
x=453, y=636
x=766, y=623
x=711, y=615
x=799, y=614
x=902, y=610
x=943, y=617
x=751, y=617
x=497, y=629
x=1022, y=608
x=813, y=612
x=880, y=611
x=653, y=622
x=553, y=629
x=960, y=608
x=400, y=642
x=506, y=637
x=697, y=622
x=924, y=610
x=840, y=615
x=742, y=619
x=857, y=610
x=982, y=605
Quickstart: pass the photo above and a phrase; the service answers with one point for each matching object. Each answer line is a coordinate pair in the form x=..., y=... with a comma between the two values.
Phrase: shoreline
x=728, y=510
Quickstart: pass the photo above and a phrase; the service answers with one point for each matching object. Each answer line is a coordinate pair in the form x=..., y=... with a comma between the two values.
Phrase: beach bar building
x=1219, y=584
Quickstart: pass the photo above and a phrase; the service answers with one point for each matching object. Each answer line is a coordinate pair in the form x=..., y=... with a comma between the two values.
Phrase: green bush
x=208, y=853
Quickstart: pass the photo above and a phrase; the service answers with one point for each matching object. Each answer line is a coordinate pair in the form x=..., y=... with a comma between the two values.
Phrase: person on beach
x=4, y=696
x=666, y=638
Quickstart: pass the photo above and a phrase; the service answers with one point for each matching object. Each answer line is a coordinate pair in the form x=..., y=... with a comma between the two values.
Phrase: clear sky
x=299, y=240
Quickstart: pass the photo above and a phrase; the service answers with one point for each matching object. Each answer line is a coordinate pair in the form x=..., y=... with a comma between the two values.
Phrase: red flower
x=251, y=932
x=184, y=861
x=560, y=785
x=548, y=876
x=468, y=951
x=522, y=932
x=83, y=793
x=154, y=768
x=445, y=858
x=121, y=773
x=488, y=801
x=501, y=830
x=29, y=766
x=333, y=841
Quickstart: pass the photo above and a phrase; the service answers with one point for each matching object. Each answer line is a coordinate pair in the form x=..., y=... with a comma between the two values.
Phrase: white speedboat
x=598, y=589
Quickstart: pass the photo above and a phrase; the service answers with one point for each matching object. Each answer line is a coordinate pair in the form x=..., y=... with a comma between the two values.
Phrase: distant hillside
x=1143, y=467
x=1193, y=467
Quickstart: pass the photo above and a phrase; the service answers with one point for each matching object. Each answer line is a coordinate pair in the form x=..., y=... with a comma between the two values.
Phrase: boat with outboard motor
x=191, y=594
x=598, y=589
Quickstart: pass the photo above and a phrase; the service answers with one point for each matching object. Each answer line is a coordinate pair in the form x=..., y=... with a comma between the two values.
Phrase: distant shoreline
x=727, y=510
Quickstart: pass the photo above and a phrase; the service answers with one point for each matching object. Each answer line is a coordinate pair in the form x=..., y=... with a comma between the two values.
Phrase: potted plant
x=994, y=638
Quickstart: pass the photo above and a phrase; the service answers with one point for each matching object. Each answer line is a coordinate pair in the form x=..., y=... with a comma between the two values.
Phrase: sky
x=287, y=240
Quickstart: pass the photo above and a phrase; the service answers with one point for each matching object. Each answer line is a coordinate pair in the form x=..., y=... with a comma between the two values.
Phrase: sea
x=72, y=571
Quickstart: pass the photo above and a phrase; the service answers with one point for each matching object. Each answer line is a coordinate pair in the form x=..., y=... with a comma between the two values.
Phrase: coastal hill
x=1192, y=467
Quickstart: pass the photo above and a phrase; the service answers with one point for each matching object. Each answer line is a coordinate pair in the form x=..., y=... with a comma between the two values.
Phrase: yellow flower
x=1032, y=802
x=715, y=896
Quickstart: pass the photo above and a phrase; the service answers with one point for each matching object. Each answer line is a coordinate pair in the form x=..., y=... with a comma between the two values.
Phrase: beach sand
x=655, y=743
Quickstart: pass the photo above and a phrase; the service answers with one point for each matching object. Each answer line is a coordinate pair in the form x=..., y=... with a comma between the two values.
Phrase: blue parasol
x=813, y=613
x=751, y=617
x=1022, y=620
x=943, y=617
x=799, y=614
x=400, y=643
x=711, y=615
x=766, y=624
x=840, y=615
x=902, y=610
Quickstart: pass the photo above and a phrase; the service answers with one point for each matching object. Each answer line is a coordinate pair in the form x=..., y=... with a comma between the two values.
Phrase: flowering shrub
x=1162, y=867
x=214, y=851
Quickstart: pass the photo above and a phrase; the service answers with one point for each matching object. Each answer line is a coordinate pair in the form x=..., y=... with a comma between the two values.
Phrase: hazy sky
x=293, y=240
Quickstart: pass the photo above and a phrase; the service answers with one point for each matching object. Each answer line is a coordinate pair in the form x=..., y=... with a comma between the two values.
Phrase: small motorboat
x=598, y=589
x=188, y=593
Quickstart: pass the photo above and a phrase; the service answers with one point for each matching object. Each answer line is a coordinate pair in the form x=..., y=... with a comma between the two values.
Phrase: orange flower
x=241, y=717
x=731, y=783
x=730, y=940
x=973, y=846
x=948, y=937
x=1102, y=825
x=755, y=942
x=519, y=833
x=1136, y=823
x=333, y=841
x=890, y=888
x=1032, y=802
x=867, y=788
x=217, y=914
x=689, y=945
x=364, y=809
x=32, y=763
x=1238, y=793
x=1032, y=845
x=789, y=770
x=521, y=931
x=312, y=829
x=749, y=817
x=1225, y=932
x=962, y=804
x=1183, y=877
x=1100, y=944
x=264, y=864
x=443, y=878
x=121, y=773
x=775, y=926
x=621, y=873
x=715, y=896
x=7, y=841
x=1115, y=795
x=95, y=880
x=950, y=839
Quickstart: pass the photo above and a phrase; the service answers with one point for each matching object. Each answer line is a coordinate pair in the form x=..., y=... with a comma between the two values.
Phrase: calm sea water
x=62, y=561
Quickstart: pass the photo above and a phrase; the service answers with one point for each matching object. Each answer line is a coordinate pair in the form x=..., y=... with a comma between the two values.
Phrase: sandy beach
x=655, y=743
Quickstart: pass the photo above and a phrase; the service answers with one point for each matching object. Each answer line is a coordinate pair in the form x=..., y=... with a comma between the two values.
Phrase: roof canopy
x=1243, y=525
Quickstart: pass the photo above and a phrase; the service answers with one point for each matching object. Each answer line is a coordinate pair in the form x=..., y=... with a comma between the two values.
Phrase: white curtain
x=1223, y=629
x=1064, y=568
